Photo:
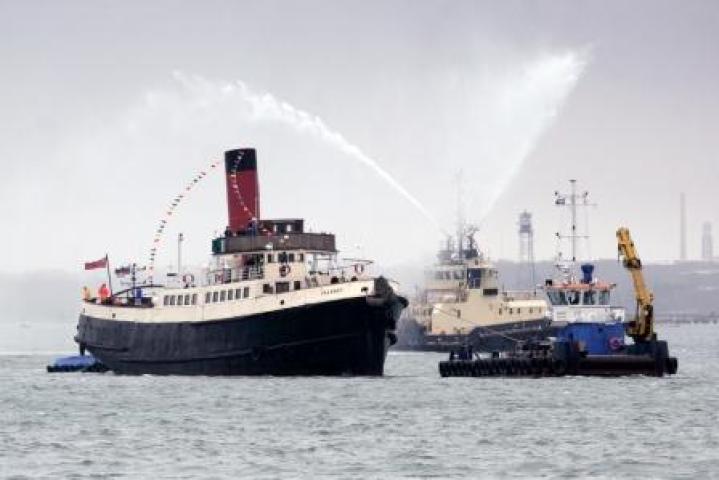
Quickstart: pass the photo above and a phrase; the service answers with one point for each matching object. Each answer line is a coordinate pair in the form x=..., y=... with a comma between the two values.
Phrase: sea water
x=409, y=424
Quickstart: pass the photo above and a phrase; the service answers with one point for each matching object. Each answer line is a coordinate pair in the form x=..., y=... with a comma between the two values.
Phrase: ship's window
x=270, y=258
x=531, y=310
x=519, y=311
x=298, y=285
x=590, y=297
x=282, y=287
x=208, y=296
x=448, y=275
x=179, y=300
x=215, y=296
x=187, y=299
x=511, y=311
x=166, y=300
x=282, y=257
x=302, y=257
x=222, y=295
x=172, y=299
x=194, y=299
x=500, y=311
x=291, y=258
x=246, y=292
x=473, y=277
x=604, y=298
x=490, y=292
x=230, y=295
x=238, y=293
x=563, y=298
x=266, y=288
x=573, y=297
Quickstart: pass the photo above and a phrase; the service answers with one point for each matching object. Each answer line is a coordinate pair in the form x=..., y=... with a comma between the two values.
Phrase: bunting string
x=174, y=204
x=179, y=198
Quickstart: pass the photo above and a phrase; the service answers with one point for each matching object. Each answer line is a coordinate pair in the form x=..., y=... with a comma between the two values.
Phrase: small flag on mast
x=123, y=271
x=102, y=263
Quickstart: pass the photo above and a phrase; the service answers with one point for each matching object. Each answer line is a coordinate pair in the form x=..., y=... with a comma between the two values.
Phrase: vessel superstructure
x=276, y=300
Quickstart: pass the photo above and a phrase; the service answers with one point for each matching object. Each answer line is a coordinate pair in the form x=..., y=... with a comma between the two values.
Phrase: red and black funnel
x=243, y=189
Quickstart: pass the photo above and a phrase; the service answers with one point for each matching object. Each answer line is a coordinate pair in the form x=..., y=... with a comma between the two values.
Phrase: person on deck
x=103, y=293
x=86, y=294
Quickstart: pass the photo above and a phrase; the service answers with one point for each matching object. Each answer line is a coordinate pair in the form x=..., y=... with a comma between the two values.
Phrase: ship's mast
x=571, y=200
x=460, y=218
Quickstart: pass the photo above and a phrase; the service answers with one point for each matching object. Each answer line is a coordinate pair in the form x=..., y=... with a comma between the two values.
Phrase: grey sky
x=97, y=134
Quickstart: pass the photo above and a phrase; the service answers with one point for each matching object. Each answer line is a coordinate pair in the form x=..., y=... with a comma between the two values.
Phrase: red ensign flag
x=102, y=263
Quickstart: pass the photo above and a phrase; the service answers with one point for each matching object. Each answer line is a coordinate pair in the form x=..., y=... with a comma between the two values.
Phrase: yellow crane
x=641, y=329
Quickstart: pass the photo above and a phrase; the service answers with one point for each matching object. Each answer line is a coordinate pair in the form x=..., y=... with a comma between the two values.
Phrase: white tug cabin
x=581, y=301
x=462, y=292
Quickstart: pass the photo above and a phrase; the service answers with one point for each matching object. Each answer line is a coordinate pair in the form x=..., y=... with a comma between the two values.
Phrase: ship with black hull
x=275, y=301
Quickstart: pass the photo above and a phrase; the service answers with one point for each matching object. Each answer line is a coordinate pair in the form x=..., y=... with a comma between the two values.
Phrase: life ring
x=285, y=270
x=616, y=343
x=188, y=279
x=359, y=268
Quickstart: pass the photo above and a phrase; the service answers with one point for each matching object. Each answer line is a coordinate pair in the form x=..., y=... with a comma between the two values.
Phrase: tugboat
x=462, y=305
x=589, y=348
x=586, y=334
x=276, y=301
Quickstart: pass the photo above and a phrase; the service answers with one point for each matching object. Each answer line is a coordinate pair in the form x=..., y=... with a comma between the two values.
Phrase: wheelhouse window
x=266, y=288
x=194, y=299
x=474, y=276
x=215, y=296
x=590, y=297
x=172, y=299
x=166, y=300
x=230, y=295
x=223, y=295
x=246, y=292
x=573, y=297
x=187, y=299
x=298, y=285
x=291, y=258
x=282, y=287
x=604, y=297
x=238, y=293
x=208, y=297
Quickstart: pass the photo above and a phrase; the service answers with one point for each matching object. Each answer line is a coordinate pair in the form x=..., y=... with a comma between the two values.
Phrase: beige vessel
x=462, y=303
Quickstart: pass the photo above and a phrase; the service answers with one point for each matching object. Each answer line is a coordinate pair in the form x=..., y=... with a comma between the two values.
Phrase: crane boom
x=642, y=328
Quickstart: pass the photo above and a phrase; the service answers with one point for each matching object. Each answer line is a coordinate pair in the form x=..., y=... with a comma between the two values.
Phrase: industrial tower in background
x=526, y=251
x=682, y=227
x=707, y=243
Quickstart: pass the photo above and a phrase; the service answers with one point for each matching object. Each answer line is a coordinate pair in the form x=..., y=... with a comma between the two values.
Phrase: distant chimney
x=243, y=190
x=707, y=243
x=682, y=227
